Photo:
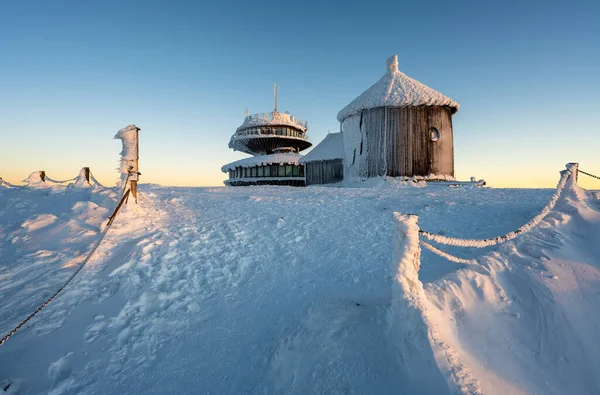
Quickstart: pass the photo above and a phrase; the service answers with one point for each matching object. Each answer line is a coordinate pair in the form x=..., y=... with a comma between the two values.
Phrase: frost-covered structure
x=129, y=155
x=275, y=140
x=324, y=164
x=398, y=127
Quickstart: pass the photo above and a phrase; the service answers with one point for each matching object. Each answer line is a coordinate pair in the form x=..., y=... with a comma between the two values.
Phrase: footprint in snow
x=61, y=369
x=280, y=223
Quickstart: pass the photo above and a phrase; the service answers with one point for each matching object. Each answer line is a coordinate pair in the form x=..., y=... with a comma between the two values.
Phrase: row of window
x=267, y=171
x=277, y=131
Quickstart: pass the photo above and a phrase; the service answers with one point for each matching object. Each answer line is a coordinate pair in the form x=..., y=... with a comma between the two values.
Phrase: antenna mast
x=275, y=96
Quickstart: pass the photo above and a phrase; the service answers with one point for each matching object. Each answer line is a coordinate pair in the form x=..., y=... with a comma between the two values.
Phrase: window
x=260, y=171
x=301, y=170
x=281, y=171
x=288, y=170
x=434, y=134
x=273, y=170
x=253, y=172
x=295, y=171
x=267, y=171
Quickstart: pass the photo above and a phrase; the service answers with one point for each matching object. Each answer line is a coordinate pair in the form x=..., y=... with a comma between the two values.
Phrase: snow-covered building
x=324, y=164
x=275, y=140
x=398, y=127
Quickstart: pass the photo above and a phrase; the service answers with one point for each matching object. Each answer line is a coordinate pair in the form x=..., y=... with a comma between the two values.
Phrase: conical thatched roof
x=396, y=89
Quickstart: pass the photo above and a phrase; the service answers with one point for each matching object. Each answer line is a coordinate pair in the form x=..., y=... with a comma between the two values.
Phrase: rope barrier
x=60, y=182
x=588, y=174
x=96, y=181
x=8, y=184
x=72, y=277
x=481, y=243
x=48, y=179
x=443, y=254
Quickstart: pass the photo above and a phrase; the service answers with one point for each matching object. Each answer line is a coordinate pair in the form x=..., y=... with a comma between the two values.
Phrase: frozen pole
x=129, y=168
x=86, y=172
x=275, y=97
x=573, y=167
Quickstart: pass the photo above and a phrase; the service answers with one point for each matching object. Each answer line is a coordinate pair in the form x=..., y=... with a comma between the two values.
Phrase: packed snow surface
x=263, y=160
x=276, y=290
x=396, y=89
x=332, y=147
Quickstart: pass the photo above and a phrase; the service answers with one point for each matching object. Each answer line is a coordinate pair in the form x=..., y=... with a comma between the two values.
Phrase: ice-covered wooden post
x=129, y=168
x=86, y=172
x=574, y=169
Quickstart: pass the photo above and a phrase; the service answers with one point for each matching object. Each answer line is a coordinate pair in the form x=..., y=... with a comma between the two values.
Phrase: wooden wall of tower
x=398, y=142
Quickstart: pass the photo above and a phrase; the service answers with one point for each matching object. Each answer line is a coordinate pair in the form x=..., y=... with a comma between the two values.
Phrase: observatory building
x=275, y=140
x=398, y=127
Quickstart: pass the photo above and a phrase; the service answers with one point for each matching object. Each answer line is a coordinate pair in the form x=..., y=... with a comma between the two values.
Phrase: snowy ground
x=288, y=290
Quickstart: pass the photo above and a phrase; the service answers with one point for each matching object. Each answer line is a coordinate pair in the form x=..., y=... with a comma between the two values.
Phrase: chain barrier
x=72, y=277
x=482, y=243
x=588, y=174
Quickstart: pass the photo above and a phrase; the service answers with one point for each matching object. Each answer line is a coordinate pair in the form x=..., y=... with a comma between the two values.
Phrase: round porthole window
x=434, y=134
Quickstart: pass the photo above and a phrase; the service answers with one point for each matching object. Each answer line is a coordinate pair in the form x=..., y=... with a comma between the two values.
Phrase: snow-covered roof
x=396, y=89
x=262, y=160
x=330, y=148
x=273, y=118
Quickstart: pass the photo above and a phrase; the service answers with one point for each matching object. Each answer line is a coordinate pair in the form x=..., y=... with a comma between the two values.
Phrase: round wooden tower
x=398, y=127
x=275, y=139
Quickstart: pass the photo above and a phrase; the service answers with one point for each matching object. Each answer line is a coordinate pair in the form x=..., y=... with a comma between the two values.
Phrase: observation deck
x=266, y=133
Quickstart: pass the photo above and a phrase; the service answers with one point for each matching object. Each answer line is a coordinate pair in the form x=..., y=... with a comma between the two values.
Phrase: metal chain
x=81, y=265
x=588, y=174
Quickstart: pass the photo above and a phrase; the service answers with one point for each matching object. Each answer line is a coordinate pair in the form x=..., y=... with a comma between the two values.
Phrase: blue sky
x=72, y=73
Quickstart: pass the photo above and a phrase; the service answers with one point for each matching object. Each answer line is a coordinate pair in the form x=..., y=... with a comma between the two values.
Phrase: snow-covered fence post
x=574, y=169
x=409, y=330
x=86, y=172
x=42, y=175
x=129, y=157
x=406, y=242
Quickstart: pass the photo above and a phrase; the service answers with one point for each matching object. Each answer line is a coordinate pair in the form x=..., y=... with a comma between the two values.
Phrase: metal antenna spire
x=275, y=96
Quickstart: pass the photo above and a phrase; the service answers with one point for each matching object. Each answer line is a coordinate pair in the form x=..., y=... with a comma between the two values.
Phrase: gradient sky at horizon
x=72, y=73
